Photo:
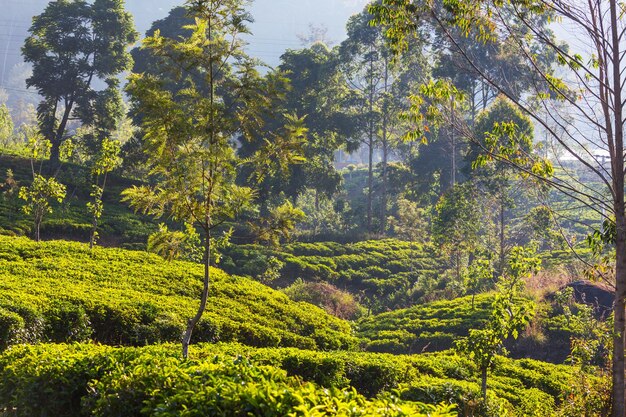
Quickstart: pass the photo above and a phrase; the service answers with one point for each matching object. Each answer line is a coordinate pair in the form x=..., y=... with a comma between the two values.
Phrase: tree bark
x=385, y=143
x=203, y=301
x=55, y=151
x=619, y=408
x=502, y=240
x=619, y=318
x=483, y=383
x=370, y=177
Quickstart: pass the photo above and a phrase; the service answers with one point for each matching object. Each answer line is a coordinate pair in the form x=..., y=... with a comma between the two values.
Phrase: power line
x=18, y=90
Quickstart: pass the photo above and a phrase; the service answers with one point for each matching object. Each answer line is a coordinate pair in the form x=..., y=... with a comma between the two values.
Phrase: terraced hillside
x=384, y=274
x=60, y=291
x=70, y=220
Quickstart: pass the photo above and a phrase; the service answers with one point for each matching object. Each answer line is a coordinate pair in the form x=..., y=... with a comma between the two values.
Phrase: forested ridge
x=426, y=218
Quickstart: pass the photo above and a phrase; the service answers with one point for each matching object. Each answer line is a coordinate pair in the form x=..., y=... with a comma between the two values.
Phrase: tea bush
x=426, y=327
x=61, y=291
x=220, y=379
x=87, y=380
x=385, y=274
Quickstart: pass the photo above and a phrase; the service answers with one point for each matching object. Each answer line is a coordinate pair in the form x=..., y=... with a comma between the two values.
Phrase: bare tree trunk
x=203, y=301
x=619, y=408
x=370, y=177
x=317, y=199
x=385, y=143
x=483, y=383
x=37, y=228
x=453, y=144
x=55, y=150
x=383, y=202
x=619, y=319
x=502, y=240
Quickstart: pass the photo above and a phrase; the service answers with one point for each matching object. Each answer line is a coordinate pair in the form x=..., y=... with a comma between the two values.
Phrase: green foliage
x=61, y=291
x=71, y=45
x=410, y=222
x=105, y=161
x=279, y=224
x=508, y=316
x=226, y=378
x=424, y=327
x=176, y=244
x=383, y=274
x=322, y=294
x=6, y=126
x=118, y=226
x=38, y=195
x=477, y=276
x=42, y=190
x=188, y=134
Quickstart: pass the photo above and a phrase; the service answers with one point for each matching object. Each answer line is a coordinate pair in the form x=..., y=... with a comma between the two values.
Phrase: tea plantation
x=119, y=225
x=385, y=274
x=62, y=292
x=236, y=380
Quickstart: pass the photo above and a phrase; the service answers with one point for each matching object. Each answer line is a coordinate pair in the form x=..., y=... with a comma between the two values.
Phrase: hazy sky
x=277, y=22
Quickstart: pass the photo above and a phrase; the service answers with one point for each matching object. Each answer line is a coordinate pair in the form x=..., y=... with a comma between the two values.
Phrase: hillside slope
x=384, y=274
x=70, y=220
x=60, y=291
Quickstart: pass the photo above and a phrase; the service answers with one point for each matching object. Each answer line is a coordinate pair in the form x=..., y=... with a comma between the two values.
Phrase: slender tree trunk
x=55, y=150
x=37, y=228
x=502, y=240
x=619, y=319
x=619, y=408
x=453, y=144
x=370, y=177
x=317, y=199
x=483, y=383
x=92, y=237
x=203, y=301
x=385, y=143
x=384, y=194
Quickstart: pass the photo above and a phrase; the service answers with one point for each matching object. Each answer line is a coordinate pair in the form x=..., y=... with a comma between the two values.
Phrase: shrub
x=61, y=291
x=87, y=380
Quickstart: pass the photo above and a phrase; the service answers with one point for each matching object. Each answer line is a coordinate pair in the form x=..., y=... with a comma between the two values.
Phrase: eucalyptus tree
x=190, y=133
x=73, y=45
x=318, y=92
x=499, y=181
x=368, y=70
x=590, y=88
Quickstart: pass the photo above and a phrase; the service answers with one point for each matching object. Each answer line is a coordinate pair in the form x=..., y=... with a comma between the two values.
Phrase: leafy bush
x=61, y=291
x=322, y=294
x=384, y=274
x=84, y=380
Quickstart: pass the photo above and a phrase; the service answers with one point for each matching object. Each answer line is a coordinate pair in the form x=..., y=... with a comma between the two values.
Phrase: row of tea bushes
x=70, y=219
x=385, y=274
x=87, y=380
x=74, y=380
x=426, y=327
x=62, y=292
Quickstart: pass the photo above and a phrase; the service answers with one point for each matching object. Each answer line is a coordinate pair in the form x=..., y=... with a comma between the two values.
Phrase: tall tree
x=72, y=45
x=189, y=133
x=592, y=90
x=367, y=67
x=497, y=179
x=319, y=93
